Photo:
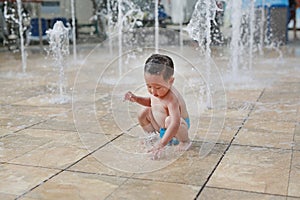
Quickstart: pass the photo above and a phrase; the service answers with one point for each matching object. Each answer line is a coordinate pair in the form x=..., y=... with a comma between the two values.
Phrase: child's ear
x=171, y=80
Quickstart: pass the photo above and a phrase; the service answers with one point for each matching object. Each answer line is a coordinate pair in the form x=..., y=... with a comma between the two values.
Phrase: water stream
x=59, y=49
x=23, y=53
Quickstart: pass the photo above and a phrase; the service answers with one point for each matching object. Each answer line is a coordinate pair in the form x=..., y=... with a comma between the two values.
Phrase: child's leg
x=183, y=137
x=182, y=134
x=146, y=120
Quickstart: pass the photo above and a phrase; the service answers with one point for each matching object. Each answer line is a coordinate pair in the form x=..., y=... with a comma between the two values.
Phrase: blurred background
x=94, y=20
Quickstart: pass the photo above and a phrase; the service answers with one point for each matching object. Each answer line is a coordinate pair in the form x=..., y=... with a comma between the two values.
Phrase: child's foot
x=184, y=146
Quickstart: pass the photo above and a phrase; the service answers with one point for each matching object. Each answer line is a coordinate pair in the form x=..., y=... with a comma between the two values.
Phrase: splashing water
x=59, y=49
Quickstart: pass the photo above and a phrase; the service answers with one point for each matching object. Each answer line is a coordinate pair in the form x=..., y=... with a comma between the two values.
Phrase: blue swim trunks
x=174, y=141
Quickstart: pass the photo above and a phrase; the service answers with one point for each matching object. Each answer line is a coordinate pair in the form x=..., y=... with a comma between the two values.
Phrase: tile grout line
x=292, y=155
x=27, y=127
x=253, y=192
x=229, y=145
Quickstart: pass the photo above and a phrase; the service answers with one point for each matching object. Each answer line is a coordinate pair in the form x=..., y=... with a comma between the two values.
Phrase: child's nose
x=154, y=92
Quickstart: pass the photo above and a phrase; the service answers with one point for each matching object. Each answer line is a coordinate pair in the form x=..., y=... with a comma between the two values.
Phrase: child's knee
x=142, y=114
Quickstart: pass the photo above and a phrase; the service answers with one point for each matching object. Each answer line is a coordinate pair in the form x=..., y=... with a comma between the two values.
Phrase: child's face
x=156, y=84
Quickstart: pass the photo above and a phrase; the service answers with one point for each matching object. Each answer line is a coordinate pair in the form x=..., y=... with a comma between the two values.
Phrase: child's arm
x=144, y=101
x=172, y=129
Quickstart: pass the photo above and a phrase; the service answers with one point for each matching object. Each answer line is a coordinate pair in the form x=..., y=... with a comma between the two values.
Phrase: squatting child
x=165, y=110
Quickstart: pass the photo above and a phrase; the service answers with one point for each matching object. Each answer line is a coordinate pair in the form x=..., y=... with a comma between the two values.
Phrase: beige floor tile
x=72, y=185
x=7, y=196
x=298, y=114
x=234, y=113
x=220, y=133
x=5, y=131
x=59, y=153
x=91, y=164
x=253, y=169
x=294, y=183
x=17, y=144
x=53, y=155
x=38, y=111
x=144, y=189
x=297, y=137
x=266, y=125
x=225, y=194
x=274, y=112
x=16, y=179
x=18, y=122
x=243, y=95
x=57, y=124
x=284, y=97
x=265, y=139
x=115, y=126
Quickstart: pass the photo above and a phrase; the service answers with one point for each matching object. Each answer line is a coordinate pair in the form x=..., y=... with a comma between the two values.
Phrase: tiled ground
x=91, y=149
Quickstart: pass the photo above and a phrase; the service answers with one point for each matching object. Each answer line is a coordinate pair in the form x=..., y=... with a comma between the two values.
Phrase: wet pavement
x=87, y=144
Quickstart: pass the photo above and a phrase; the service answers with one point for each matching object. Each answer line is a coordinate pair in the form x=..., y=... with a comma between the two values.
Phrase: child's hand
x=129, y=96
x=156, y=152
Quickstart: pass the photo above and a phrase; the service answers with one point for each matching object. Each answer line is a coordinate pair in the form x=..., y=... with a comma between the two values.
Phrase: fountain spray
x=23, y=53
x=199, y=29
x=59, y=48
x=120, y=36
x=74, y=30
x=236, y=35
x=156, y=26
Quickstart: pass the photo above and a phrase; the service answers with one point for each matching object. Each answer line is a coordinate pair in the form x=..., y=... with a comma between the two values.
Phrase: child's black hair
x=158, y=64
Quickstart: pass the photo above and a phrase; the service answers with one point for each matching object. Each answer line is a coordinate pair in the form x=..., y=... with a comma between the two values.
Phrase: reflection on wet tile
x=71, y=185
x=144, y=189
x=16, y=179
x=225, y=194
x=253, y=169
